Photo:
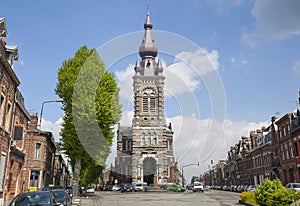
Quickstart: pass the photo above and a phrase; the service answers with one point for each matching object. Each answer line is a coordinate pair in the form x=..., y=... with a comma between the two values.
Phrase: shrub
x=270, y=193
x=246, y=195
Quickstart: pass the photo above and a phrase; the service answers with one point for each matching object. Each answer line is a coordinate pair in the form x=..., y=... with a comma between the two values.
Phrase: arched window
x=149, y=103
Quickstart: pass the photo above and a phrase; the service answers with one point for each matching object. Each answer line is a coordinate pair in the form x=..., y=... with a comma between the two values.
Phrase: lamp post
x=182, y=178
x=41, y=114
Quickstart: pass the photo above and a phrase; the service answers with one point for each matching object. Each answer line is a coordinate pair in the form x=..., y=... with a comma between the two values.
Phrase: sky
x=230, y=65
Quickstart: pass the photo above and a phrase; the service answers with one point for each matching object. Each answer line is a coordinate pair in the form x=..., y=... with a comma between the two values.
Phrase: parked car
x=53, y=187
x=116, y=188
x=251, y=188
x=164, y=187
x=198, y=186
x=125, y=188
x=140, y=186
x=107, y=188
x=189, y=187
x=293, y=186
x=62, y=197
x=176, y=188
x=35, y=198
x=69, y=190
x=90, y=190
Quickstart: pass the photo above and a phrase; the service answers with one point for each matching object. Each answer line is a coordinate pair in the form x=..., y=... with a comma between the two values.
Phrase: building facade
x=40, y=157
x=145, y=150
x=12, y=156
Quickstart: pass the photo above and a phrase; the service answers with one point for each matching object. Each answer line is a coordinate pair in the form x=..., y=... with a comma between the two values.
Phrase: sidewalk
x=76, y=200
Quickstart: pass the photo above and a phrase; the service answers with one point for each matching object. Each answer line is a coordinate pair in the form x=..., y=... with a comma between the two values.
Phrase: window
x=143, y=139
x=149, y=101
x=155, y=141
x=37, y=150
x=296, y=149
x=124, y=142
x=292, y=152
x=145, y=105
x=2, y=160
x=2, y=99
x=18, y=134
x=34, y=178
x=8, y=116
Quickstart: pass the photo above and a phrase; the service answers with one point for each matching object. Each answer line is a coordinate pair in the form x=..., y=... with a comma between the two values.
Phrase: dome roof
x=148, y=47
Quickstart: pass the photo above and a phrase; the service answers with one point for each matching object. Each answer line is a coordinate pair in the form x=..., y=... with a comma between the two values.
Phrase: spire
x=148, y=48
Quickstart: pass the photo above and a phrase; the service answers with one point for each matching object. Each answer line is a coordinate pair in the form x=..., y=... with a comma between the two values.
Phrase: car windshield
x=32, y=199
x=197, y=183
x=60, y=194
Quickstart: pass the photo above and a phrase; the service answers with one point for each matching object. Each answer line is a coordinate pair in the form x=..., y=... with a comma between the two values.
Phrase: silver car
x=293, y=186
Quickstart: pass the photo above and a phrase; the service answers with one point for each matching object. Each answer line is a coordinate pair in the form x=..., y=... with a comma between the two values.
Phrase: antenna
x=148, y=10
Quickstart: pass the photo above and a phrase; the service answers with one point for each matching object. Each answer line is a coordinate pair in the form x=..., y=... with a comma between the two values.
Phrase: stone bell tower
x=150, y=139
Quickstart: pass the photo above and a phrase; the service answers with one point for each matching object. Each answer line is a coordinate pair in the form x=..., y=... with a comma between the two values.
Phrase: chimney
x=34, y=120
x=253, y=139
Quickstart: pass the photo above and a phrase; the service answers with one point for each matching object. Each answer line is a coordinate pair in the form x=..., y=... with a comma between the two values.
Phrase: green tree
x=91, y=104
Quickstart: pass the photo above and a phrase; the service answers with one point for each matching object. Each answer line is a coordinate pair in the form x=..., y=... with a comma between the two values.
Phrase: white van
x=198, y=186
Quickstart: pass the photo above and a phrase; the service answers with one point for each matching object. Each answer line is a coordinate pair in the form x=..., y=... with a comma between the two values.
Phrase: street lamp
x=41, y=114
x=182, y=178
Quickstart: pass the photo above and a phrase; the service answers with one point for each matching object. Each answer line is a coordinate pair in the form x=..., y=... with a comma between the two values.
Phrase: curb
x=245, y=203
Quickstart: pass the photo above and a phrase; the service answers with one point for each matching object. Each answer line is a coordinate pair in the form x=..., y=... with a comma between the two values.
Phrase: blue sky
x=253, y=44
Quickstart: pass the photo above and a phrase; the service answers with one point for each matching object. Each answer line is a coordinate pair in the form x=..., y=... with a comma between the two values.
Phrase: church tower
x=150, y=140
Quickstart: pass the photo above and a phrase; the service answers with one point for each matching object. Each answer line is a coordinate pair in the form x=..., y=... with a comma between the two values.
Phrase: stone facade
x=145, y=150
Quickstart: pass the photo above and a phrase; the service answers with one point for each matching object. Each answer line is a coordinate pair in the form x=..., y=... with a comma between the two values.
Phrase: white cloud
x=184, y=74
x=53, y=127
x=252, y=39
x=197, y=140
x=237, y=60
x=225, y=5
x=125, y=82
x=276, y=20
x=296, y=66
x=200, y=140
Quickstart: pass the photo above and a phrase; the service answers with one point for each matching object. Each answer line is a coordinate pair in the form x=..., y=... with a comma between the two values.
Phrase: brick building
x=40, y=156
x=15, y=178
x=295, y=136
x=11, y=113
x=270, y=152
x=286, y=149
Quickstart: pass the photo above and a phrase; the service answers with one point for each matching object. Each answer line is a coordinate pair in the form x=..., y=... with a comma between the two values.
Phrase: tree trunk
x=76, y=178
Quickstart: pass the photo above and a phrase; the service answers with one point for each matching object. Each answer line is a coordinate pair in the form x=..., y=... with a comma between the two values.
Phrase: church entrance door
x=149, y=168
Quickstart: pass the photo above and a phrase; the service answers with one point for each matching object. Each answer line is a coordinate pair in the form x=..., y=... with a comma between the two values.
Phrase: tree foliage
x=91, y=104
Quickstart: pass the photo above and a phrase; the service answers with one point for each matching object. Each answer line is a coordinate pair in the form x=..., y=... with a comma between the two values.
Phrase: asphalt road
x=208, y=198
